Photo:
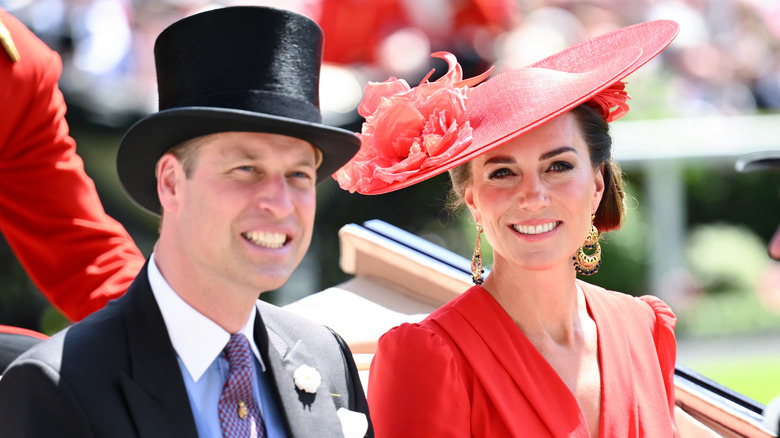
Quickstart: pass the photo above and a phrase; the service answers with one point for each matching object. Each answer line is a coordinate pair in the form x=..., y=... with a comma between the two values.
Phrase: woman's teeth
x=535, y=229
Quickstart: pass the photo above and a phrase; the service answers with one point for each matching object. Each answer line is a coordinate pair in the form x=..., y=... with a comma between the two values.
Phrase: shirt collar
x=197, y=340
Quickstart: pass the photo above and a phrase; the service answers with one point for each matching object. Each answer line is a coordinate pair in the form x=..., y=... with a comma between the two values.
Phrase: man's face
x=243, y=217
x=774, y=245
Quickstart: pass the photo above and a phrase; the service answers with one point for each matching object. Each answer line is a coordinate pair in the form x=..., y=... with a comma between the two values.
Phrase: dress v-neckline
x=550, y=371
x=506, y=364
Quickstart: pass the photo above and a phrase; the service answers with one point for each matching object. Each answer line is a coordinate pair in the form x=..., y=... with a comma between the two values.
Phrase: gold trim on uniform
x=8, y=43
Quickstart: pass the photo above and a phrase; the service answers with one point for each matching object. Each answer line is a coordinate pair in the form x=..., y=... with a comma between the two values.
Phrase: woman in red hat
x=530, y=350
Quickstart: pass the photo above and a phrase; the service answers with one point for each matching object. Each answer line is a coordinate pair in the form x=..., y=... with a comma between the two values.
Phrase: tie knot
x=238, y=353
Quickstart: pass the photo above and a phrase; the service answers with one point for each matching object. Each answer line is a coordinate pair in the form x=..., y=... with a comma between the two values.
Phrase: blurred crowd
x=725, y=61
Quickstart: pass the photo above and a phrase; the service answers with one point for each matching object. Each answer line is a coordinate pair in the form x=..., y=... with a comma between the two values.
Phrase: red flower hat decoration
x=409, y=129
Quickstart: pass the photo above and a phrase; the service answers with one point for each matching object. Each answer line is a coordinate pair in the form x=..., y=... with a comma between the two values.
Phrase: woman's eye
x=560, y=166
x=500, y=173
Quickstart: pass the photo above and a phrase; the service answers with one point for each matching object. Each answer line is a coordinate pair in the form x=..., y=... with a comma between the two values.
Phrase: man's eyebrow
x=248, y=155
x=307, y=162
x=239, y=154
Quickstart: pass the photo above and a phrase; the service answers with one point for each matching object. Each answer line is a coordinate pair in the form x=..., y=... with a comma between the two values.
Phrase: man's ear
x=169, y=171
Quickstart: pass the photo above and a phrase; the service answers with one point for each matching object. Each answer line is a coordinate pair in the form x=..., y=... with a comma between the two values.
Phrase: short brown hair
x=185, y=152
x=595, y=132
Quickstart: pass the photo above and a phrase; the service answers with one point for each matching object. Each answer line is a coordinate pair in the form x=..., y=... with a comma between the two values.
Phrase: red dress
x=468, y=370
x=50, y=213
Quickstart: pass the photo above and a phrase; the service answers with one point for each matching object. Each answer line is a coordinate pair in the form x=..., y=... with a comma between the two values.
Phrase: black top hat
x=249, y=68
x=759, y=161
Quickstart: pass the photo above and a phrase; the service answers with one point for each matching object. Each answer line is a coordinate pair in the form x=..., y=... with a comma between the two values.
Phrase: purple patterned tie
x=239, y=414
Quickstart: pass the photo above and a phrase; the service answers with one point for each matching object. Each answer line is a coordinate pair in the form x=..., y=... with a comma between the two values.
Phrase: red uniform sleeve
x=415, y=388
x=50, y=213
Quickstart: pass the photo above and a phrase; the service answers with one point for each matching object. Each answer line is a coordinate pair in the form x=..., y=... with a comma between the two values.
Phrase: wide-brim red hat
x=471, y=120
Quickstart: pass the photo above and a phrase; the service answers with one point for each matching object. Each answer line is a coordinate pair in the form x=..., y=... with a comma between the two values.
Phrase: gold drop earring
x=588, y=264
x=476, y=259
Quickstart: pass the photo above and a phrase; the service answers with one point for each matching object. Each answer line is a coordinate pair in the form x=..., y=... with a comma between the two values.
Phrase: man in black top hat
x=766, y=160
x=230, y=162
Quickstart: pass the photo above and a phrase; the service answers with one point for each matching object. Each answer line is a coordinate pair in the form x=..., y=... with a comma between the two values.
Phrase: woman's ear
x=169, y=170
x=468, y=197
x=598, y=179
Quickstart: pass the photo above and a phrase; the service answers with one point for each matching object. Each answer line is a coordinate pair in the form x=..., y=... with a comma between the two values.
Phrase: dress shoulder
x=647, y=307
x=415, y=375
x=665, y=341
x=644, y=312
x=415, y=346
x=664, y=315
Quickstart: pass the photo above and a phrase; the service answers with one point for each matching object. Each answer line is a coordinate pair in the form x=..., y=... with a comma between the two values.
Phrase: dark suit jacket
x=115, y=374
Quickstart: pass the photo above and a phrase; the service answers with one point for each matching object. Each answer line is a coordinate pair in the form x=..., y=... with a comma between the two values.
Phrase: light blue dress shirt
x=199, y=344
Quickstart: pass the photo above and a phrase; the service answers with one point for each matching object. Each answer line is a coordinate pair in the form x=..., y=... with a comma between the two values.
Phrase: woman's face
x=535, y=194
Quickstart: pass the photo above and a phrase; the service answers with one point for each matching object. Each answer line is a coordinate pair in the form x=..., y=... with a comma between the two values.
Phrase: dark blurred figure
x=15, y=341
x=768, y=160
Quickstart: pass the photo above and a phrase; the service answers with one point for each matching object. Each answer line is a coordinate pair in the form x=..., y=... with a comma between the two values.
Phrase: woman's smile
x=536, y=229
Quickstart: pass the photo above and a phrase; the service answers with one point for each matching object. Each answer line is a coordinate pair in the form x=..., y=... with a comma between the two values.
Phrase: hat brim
x=497, y=121
x=766, y=160
x=548, y=88
x=151, y=137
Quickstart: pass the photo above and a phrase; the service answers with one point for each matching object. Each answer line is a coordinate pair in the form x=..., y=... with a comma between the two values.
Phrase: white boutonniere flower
x=307, y=379
x=353, y=424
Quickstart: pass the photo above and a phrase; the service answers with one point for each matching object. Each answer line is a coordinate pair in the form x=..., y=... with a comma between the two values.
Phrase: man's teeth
x=535, y=229
x=267, y=240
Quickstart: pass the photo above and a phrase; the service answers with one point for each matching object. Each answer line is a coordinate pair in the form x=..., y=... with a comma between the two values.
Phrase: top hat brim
x=765, y=160
x=151, y=137
x=516, y=101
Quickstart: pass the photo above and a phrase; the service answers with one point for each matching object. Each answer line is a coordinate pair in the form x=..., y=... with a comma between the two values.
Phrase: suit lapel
x=154, y=388
x=304, y=414
x=275, y=366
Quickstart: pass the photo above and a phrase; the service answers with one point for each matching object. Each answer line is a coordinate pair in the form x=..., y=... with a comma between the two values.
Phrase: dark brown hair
x=595, y=132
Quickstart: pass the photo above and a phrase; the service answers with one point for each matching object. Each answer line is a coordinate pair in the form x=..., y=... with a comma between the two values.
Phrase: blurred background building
x=696, y=230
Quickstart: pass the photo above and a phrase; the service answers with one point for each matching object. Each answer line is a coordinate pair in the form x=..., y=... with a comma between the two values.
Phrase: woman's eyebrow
x=555, y=152
x=500, y=159
x=508, y=159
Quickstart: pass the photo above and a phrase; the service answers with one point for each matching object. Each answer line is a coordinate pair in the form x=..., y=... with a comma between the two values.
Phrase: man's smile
x=266, y=239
